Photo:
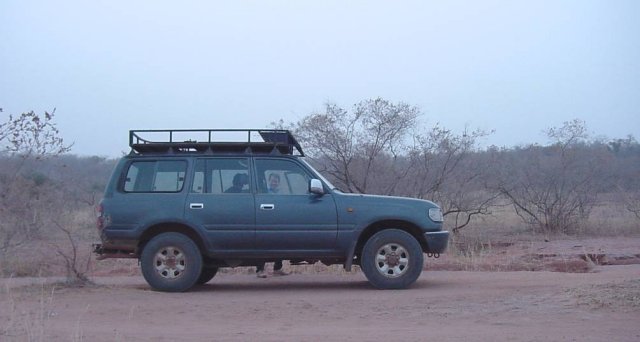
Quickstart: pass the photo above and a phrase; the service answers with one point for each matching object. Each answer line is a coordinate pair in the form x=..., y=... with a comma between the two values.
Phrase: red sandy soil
x=600, y=305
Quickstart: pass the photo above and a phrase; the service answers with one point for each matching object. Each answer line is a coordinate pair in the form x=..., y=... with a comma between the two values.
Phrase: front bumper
x=436, y=241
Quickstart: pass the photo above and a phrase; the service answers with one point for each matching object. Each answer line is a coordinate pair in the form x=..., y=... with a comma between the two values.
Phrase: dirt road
x=442, y=305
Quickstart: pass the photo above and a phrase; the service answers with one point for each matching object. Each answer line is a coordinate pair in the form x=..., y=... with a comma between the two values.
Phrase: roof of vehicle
x=213, y=141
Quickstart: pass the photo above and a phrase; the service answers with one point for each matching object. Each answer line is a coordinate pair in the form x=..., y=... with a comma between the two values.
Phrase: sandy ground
x=603, y=305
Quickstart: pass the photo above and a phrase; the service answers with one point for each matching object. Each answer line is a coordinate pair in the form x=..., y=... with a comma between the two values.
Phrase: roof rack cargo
x=213, y=141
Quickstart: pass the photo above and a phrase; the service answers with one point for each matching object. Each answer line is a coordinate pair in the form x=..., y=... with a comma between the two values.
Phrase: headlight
x=435, y=214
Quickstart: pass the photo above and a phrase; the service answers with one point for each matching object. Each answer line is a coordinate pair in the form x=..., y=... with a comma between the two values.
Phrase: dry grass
x=499, y=242
x=610, y=219
x=502, y=242
x=18, y=322
x=38, y=258
x=21, y=320
x=617, y=296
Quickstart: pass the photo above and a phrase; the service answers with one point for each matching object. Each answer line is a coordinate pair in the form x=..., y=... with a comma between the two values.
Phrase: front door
x=288, y=217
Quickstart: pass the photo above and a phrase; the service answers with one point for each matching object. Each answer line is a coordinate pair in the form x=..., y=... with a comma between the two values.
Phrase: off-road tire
x=392, y=259
x=171, y=262
x=207, y=274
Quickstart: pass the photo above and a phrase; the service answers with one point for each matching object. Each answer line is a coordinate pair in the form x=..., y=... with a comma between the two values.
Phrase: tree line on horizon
x=375, y=147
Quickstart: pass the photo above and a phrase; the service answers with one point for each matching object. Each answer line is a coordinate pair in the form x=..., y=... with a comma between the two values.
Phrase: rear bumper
x=126, y=239
x=437, y=241
x=111, y=253
x=116, y=244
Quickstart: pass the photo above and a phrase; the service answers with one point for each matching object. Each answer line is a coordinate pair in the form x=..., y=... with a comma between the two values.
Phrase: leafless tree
x=631, y=201
x=626, y=172
x=31, y=134
x=553, y=188
x=354, y=146
x=448, y=170
x=24, y=138
x=378, y=148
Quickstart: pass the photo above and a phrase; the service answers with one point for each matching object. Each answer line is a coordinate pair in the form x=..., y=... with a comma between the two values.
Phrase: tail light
x=100, y=216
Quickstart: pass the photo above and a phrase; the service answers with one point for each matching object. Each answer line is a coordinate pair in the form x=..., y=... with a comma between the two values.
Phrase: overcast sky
x=516, y=67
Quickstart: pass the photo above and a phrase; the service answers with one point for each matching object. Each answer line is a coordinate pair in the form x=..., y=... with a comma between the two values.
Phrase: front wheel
x=392, y=259
x=171, y=262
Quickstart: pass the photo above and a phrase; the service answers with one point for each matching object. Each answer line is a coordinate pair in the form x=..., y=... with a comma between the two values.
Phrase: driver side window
x=282, y=177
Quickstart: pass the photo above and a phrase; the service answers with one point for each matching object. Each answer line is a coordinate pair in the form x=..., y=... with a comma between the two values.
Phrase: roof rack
x=274, y=141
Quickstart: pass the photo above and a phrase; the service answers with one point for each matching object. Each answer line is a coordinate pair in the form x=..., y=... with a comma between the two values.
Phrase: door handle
x=196, y=205
x=267, y=206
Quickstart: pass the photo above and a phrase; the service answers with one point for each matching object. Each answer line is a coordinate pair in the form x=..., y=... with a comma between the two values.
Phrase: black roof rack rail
x=275, y=141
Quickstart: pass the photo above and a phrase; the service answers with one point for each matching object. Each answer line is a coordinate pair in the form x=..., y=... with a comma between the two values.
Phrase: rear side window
x=155, y=176
x=221, y=176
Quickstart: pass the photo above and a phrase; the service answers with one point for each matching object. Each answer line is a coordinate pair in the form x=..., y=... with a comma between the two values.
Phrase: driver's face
x=274, y=182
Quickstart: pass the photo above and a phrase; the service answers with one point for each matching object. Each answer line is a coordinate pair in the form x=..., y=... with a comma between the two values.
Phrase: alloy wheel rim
x=392, y=260
x=169, y=262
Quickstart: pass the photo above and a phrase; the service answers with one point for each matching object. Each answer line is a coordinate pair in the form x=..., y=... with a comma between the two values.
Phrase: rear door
x=221, y=202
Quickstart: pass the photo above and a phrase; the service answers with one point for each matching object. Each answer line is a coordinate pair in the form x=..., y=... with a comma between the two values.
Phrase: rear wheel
x=171, y=262
x=207, y=274
x=392, y=259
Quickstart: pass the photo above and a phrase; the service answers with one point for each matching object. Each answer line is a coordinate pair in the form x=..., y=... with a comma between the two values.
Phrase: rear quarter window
x=155, y=176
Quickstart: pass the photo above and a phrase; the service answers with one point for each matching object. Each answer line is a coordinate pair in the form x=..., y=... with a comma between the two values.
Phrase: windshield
x=331, y=186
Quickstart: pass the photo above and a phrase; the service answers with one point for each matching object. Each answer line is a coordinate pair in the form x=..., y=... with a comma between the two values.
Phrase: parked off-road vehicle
x=188, y=202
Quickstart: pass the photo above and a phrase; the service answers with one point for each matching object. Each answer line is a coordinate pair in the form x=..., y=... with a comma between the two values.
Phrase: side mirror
x=315, y=187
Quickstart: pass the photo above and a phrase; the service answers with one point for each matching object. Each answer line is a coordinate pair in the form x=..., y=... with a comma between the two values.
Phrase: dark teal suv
x=187, y=202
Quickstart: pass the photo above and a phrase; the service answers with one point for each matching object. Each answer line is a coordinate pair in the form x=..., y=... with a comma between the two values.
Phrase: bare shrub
x=76, y=264
x=447, y=169
x=632, y=203
x=554, y=188
x=23, y=139
x=626, y=172
x=353, y=146
x=378, y=148
x=23, y=207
